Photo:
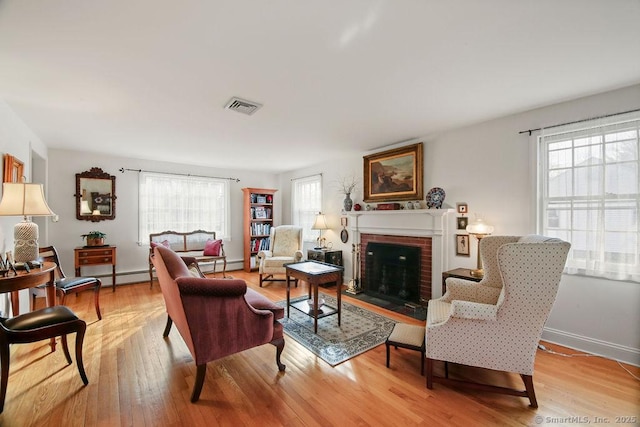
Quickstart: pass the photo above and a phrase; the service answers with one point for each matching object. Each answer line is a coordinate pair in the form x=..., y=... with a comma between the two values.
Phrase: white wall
x=492, y=167
x=122, y=232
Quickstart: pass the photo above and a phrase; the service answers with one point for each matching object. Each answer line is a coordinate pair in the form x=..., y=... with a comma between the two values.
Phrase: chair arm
x=297, y=257
x=189, y=260
x=265, y=254
x=211, y=287
x=467, y=290
x=473, y=310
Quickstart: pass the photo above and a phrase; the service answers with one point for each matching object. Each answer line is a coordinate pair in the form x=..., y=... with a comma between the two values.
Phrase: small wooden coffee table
x=315, y=273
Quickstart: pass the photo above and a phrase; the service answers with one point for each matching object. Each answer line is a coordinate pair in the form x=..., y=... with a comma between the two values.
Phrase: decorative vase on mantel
x=348, y=203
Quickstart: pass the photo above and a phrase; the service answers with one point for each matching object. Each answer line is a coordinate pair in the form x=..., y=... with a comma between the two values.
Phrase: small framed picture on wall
x=462, y=208
x=462, y=245
x=462, y=222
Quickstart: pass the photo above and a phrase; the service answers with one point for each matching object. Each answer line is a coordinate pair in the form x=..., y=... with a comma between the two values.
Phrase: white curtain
x=183, y=204
x=306, y=203
x=589, y=188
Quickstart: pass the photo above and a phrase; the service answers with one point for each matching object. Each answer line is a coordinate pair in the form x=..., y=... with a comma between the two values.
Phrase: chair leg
x=260, y=279
x=388, y=352
x=167, y=327
x=429, y=373
x=528, y=384
x=82, y=327
x=65, y=348
x=197, y=387
x=279, y=343
x=224, y=267
x=4, y=365
x=96, y=298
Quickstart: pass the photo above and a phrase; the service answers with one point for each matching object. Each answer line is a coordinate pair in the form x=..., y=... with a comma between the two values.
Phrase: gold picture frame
x=394, y=175
x=13, y=169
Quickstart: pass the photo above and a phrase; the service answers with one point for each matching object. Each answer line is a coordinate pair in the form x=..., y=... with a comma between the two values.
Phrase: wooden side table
x=99, y=255
x=460, y=273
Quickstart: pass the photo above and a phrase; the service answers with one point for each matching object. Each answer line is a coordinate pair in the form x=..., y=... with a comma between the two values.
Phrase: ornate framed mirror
x=95, y=195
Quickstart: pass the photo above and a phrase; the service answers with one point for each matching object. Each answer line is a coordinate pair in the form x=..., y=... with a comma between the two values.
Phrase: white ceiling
x=149, y=78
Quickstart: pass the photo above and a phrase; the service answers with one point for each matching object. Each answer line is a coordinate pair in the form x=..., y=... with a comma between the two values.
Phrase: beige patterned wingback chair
x=497, y=323
x=285, y=246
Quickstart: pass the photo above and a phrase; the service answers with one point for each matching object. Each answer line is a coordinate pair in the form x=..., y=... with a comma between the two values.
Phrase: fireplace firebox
x=392, y=272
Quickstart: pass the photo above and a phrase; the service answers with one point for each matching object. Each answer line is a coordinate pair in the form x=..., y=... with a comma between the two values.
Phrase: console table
x=99, y=255
x=315, y=273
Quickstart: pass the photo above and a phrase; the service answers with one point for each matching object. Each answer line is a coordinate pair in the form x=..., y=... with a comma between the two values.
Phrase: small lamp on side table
x=480, y=229
x=320, y=224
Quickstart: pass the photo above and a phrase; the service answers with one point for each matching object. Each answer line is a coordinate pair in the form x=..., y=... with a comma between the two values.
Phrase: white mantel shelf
x=408, y=222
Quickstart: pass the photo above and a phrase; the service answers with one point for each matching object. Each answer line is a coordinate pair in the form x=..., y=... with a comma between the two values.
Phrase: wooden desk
x=315, y=274
x=36, y=277
x=100, y=255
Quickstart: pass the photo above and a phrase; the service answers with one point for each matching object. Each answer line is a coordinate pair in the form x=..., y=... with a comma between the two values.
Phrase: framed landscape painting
x=394, y=175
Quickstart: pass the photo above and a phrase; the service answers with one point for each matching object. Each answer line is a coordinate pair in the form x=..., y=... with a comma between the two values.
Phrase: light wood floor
x=136, y=378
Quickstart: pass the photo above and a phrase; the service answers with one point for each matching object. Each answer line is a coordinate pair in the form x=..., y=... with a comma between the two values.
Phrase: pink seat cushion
x=212, y=247
x=164, y=243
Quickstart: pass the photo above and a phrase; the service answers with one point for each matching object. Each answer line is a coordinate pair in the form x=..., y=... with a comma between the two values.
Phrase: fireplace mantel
x=431, y=223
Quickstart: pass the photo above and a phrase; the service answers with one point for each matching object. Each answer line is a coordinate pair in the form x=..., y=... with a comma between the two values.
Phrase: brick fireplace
x=424, y=228
x=422, y=243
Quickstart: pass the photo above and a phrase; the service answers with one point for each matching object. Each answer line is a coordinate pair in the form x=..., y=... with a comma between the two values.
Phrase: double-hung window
x=306, y=203
x=589, y=194
x=182, y=203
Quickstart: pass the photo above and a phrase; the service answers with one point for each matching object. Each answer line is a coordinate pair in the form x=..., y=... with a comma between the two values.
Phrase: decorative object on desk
x=435, y=198
x=357, y=207
x=394, y=174
x=462, y=245
x=408, y=205
x=21, y=199
x=354, y=286
x=480, y=229
x=320, y=223
x=94, y=238
x=462, y=208
x=360, y=331
x=347, y=203
x=462, y=222
x=417, y=205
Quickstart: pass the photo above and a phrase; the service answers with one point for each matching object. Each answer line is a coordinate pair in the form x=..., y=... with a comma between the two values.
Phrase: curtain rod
x=308, y=176
x=123, y=170
x=577, y=121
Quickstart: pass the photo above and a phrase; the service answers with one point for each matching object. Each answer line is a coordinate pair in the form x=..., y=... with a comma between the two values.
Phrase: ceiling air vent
x=242, y=106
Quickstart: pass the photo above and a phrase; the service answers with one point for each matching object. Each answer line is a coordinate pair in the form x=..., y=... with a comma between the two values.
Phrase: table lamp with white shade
x=26, y=200
x=480, y=229
x=320, y=223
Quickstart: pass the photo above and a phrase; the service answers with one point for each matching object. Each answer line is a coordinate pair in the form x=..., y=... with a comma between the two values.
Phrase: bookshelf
x=258, y=220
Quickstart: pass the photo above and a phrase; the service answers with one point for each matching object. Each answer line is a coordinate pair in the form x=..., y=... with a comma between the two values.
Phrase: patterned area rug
x=361, y=330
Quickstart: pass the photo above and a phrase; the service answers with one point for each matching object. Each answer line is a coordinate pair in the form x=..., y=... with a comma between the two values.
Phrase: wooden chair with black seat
x=66, y=285
x=40, y=325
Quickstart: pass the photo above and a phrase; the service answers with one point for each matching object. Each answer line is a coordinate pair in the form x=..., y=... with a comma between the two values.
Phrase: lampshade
x=320, y=223
x=479, y=227
x=21, y=199
x=84, y=207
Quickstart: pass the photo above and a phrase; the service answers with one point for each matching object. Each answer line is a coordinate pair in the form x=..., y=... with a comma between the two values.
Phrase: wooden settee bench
x=187, y=244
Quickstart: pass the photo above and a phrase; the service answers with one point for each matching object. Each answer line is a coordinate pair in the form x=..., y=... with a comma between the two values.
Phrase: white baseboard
x=605, y=349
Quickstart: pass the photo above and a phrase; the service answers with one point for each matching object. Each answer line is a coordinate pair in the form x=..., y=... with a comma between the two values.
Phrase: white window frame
x=306, y=203
x=182, y=203
x=595, y=201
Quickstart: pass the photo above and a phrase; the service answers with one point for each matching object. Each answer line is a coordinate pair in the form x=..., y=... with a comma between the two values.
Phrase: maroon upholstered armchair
x=215, y=317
